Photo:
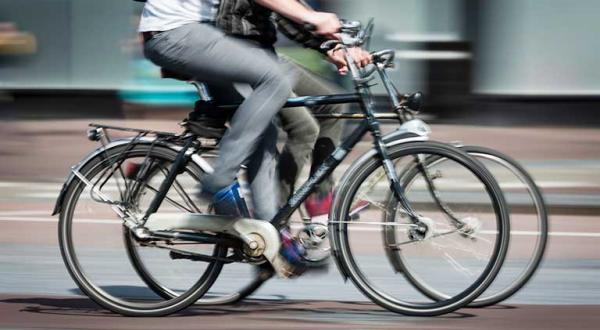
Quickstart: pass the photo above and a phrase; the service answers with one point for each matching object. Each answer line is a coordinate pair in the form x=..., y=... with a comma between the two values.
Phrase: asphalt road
x=37, y=292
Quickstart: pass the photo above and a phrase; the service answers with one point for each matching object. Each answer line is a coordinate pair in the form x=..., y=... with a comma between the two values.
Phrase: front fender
x=201, y=162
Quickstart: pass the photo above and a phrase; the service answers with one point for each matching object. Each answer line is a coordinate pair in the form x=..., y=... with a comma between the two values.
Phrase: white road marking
x=45, y=219
x=49, y=186
x=22, y=212
x=5, y=218
x=30, y=185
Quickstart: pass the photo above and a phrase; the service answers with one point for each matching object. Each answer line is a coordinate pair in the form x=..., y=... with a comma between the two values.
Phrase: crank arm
x=260, y=238
x=178, y=254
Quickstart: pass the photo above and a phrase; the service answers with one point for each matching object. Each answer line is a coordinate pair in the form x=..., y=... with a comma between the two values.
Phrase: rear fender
x=201, y=162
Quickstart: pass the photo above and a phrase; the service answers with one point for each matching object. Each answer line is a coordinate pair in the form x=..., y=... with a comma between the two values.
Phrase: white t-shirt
x=163, y=15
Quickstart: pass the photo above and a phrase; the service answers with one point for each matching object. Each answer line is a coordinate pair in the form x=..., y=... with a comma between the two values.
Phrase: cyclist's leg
x=330, y=131
x=302, y=131
x=205, y=52
x=263, y=176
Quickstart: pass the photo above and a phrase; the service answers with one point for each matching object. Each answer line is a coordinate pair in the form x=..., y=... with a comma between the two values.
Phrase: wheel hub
x=422, y=230
x=471, y=227
x=314, y=239
x=313, y=235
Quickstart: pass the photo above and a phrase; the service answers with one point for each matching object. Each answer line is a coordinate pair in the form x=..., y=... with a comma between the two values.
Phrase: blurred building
x=486, y=56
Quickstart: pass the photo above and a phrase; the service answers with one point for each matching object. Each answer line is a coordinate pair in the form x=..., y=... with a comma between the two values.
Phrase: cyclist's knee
x=277, y=80
x=311, y=130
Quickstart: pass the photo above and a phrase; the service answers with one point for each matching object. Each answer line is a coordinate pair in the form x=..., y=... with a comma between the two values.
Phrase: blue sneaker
x=293, y=252
x=230, y=201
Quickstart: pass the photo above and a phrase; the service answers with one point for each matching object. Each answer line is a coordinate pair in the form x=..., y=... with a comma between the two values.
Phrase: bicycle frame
x=370, y=123
x=240, y=239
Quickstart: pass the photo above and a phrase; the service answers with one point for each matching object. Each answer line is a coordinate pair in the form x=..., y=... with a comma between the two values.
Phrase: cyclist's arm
x=326, y=24
x=297, y=33
x=291, y=9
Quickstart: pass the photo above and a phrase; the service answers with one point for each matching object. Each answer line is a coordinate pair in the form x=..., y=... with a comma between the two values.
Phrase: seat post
x=202, y=89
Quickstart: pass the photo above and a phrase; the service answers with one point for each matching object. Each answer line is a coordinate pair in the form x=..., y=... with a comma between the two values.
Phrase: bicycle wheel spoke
x=374, y=223
x=457, y=266
x=170, y=200
x=186, y=198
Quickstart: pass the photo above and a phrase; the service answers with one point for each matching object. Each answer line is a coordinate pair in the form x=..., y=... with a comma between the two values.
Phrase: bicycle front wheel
x=459, y=247
x=529, y=226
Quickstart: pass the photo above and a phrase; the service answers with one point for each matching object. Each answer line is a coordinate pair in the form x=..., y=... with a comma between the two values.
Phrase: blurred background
x=519, y=76
x=507, y=60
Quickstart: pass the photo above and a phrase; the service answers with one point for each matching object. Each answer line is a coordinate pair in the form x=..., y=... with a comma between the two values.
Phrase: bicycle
x=521, y=186
x=187, y=231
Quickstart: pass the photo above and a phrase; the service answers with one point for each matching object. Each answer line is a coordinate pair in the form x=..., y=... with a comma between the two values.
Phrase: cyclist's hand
x=326, y=24
x=361, y=57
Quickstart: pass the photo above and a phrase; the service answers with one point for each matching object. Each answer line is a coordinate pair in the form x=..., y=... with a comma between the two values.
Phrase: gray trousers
x=206, y=53
x=306, y=136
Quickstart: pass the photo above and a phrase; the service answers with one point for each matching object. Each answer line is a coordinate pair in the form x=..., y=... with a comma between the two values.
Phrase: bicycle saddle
x=168, y=74
x=201, y=87
x=206, y=121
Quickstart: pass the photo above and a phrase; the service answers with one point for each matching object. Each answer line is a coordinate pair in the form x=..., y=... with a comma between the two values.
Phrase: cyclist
x=180, y=35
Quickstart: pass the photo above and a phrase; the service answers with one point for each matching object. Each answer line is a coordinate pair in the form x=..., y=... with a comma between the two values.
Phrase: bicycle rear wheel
x=91, y=234
x=529, y=227
x=461, y=259
x=236, y=280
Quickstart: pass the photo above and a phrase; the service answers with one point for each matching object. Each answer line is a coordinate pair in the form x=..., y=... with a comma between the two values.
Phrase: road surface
x=37, y=292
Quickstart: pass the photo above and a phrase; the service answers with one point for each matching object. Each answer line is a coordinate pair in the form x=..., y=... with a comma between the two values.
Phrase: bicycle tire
x=354, y=178
x=489, y=298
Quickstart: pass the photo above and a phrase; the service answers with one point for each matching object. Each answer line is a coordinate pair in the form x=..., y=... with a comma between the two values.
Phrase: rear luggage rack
x=134, y=130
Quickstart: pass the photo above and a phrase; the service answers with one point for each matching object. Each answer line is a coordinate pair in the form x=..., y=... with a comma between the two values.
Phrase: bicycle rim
x=528, y=228
x=528, y=225
x=363, y=255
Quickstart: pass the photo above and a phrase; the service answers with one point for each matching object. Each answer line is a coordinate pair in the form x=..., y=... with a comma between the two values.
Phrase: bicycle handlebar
x=353, y=35
x=347, y=26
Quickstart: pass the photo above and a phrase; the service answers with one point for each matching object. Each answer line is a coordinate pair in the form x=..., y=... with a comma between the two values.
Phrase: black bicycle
x=174, y=250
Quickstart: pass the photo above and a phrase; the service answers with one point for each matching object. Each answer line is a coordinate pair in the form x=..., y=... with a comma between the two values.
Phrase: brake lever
x=349, y=41
x=329, y=44
x=385, y=57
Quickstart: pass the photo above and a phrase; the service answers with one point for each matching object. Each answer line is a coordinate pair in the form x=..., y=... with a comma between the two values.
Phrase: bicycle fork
x=390, y=171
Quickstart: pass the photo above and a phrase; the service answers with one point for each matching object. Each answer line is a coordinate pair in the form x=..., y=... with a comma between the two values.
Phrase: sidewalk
x=565, y=162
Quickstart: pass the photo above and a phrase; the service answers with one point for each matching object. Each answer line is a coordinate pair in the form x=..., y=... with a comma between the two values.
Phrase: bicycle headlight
x=413, y=102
